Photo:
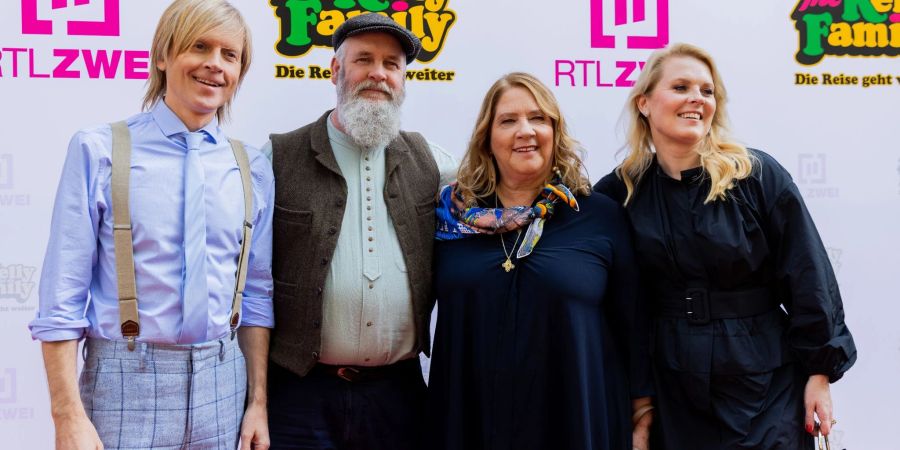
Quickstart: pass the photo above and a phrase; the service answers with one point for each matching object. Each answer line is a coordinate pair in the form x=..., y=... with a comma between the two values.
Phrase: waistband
x=700, y=305
x=356, y=374
x=111, y=349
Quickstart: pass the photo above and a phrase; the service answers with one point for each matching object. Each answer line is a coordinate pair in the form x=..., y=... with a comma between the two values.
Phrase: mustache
x=372, y=85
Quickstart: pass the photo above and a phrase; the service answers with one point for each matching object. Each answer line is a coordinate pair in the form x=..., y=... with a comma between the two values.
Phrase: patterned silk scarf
x=456, y=221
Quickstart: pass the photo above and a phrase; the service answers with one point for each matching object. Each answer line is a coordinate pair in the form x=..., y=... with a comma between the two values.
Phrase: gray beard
x=370, y=123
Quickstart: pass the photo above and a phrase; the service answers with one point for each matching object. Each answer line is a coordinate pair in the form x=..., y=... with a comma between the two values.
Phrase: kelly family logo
x=846, y=27
x=67, y=18
x=307, y=24
x=812, y=176
x=617, y=24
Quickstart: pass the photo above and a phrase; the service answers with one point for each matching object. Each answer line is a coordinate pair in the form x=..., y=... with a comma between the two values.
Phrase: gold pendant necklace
x=508, y=265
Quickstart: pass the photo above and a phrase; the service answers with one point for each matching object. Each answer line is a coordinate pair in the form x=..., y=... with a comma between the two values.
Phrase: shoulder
x=613, y=187
x=292, y=137
x=600, y=207
x=772, y=177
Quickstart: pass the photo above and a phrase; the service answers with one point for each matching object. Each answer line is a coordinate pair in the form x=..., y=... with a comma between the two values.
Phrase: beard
x=371, y=123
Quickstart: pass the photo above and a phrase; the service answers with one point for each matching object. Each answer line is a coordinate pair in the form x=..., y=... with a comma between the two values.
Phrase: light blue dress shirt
x=78, y=291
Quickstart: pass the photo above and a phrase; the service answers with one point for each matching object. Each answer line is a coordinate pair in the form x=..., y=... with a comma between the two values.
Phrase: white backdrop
x=836, y=140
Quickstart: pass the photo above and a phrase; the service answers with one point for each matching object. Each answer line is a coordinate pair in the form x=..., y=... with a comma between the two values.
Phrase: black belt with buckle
x=700, y=305
x=355, y=374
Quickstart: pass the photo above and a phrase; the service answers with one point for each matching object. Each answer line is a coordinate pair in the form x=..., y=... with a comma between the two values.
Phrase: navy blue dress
x=549, y=355
x=737, y=382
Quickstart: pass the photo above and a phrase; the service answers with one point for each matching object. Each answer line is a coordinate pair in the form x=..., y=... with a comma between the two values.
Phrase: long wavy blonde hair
x=180, y=25
x=478, y=174
x=723, y=160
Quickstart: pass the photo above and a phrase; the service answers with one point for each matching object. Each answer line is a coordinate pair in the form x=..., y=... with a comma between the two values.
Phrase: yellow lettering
x=417, y=22
x=841, y=35
x=329, y=21
x=895, y=34
x=882, y=6
x=870, y=35
x=437, y=24
x=435, y=5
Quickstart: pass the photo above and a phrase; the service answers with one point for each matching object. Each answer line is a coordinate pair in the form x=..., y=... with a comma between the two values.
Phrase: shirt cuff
x=257, y=312
x=52, y=329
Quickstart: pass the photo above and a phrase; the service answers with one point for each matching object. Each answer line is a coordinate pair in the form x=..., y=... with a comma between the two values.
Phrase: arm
x=254, y=342
x=641, y=419
x=817, y=332
x=447, y=163
x=73, y=428
x=257, y=316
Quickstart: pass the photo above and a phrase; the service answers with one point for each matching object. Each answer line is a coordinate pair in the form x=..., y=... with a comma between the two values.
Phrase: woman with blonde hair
x=539, y=340
x=749, y=324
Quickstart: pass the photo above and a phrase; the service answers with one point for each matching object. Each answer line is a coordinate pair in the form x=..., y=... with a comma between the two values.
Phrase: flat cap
x=376, y=23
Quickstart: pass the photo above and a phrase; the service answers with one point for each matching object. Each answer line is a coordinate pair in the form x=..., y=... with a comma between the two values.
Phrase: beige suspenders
x=122, y=237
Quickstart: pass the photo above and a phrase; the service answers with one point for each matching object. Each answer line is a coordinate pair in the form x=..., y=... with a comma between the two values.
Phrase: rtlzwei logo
x=33, y=23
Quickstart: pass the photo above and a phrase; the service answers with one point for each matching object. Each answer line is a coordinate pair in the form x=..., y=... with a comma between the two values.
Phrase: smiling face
x=681, y=106
x=203, y=78
x=521, y=139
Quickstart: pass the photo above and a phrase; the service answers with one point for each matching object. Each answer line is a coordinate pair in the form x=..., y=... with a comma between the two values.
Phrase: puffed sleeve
x=806, y=281
x=613, y=187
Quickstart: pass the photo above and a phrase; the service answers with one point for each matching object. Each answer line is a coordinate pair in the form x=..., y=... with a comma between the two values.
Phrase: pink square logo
x=604, y=35
x=108, y=26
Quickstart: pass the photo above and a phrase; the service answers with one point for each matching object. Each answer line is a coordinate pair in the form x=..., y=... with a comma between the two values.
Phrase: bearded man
x=353, y=226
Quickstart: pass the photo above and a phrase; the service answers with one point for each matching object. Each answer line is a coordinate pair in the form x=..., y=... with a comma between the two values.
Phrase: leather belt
x=700, y=305
x=355, y=374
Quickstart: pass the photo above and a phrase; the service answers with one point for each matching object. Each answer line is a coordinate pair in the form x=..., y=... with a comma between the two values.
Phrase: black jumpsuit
x=735, y=381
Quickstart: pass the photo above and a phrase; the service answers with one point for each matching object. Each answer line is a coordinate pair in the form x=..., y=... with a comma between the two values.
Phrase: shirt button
x=371, y=238
x=368, y=168
x=315, y=355
x=369, y=324
x=369, y=218
x=371, y=286
x=368, y=178
x=324, y=261
x=317, y=324
x=368, y=189
x=367, y=158
x=332, y=230
x=371, y=250
x=369, y=198
x=370, y=228
x=369, y=208
x=339, y=202
x=319, y=291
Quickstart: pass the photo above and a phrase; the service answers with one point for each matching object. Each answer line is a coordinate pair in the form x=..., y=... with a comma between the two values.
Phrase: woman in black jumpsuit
x=749, y=323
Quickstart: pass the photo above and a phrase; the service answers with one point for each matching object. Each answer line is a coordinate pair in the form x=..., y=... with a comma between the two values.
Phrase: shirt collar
x=171, y=125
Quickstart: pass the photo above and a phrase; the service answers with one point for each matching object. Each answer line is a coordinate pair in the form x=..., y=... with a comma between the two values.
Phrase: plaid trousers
x=165, y=397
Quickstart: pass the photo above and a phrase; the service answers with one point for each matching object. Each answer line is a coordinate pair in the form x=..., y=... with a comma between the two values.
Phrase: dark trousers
x=322, y=411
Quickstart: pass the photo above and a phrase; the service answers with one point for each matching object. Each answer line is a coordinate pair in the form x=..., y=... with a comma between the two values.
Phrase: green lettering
x=853, y=8
x=374, y=5
x=344, y=4
x=303, y=15
x=817, y=26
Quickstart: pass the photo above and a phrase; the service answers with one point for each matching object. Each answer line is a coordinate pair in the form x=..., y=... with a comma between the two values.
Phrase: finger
x=810, y=418
x=824, y=413
x=245, y=441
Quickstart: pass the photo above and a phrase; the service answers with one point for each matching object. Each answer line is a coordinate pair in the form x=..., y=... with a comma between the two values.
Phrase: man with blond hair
x=160, y=248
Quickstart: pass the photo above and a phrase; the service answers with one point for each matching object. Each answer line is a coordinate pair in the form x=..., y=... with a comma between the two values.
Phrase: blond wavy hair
x=478, y=173
x=181, y=24
x=723, y=160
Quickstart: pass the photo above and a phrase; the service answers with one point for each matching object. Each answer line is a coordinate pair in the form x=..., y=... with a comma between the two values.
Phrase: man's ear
x=335, y=67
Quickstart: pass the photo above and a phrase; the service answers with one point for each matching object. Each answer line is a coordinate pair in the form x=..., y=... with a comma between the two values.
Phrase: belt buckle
x=347, y=373
x=696, y=306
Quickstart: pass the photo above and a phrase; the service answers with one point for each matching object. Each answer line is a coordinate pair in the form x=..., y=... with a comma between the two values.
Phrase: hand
x=255, y=428
x=817, y=399
x=77, y=434
x=640, y=436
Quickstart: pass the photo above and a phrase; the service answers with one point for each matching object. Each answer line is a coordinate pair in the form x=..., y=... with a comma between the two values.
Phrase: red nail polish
x=809, y=428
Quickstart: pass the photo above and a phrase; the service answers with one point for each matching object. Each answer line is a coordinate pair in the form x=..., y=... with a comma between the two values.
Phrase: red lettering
x=62, y=69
